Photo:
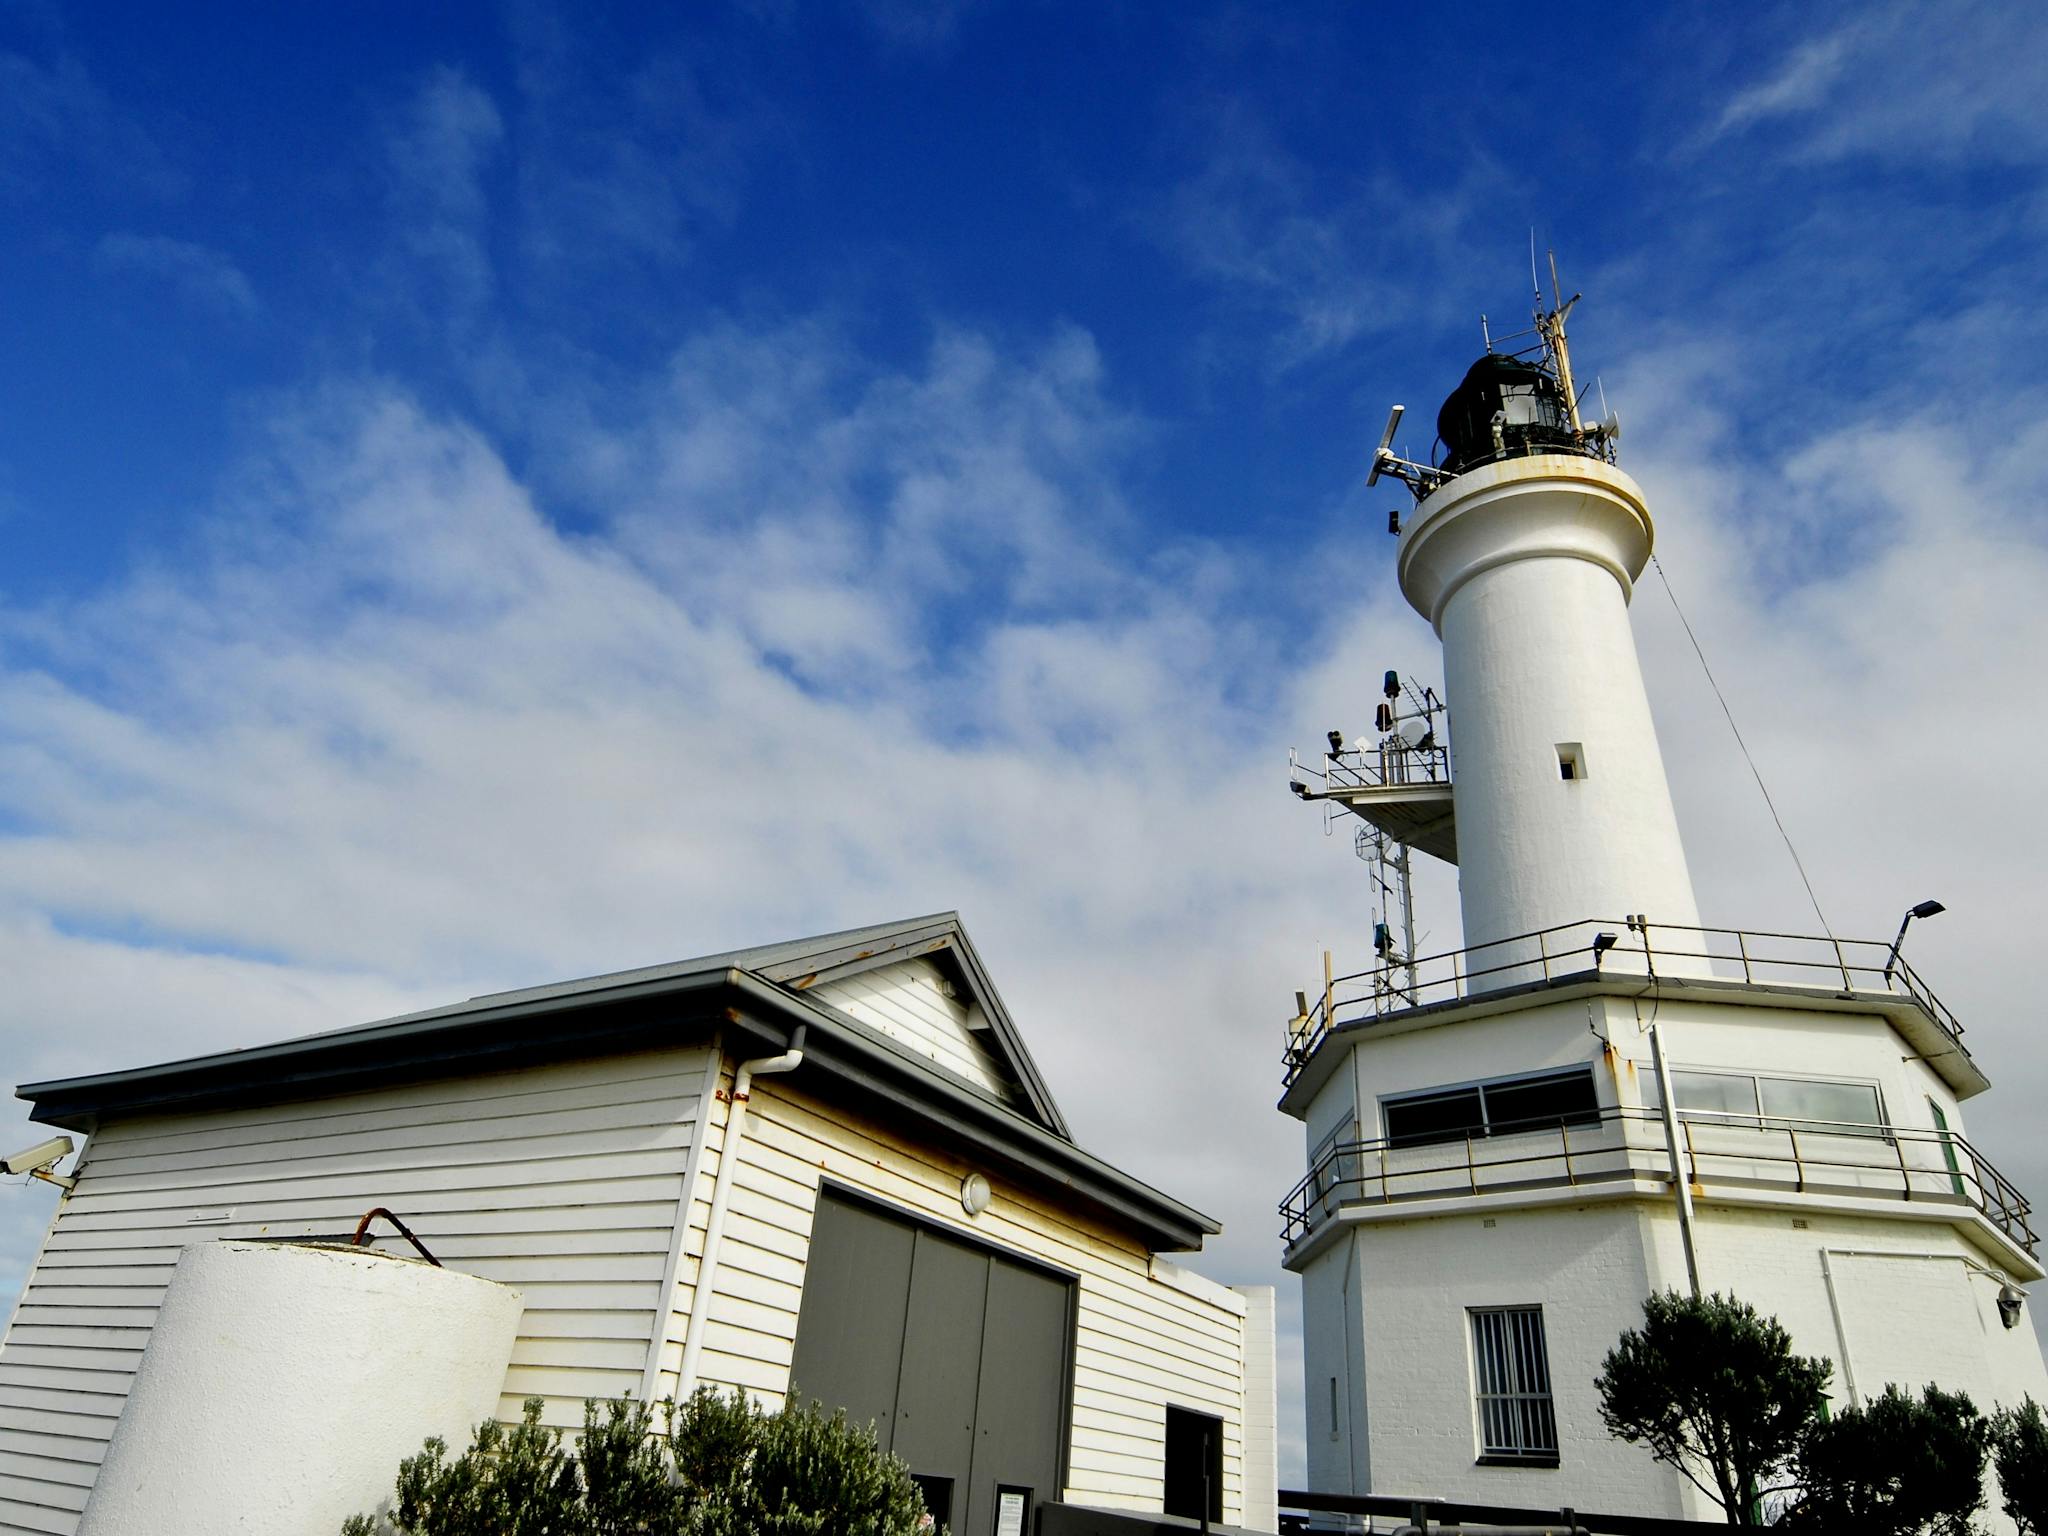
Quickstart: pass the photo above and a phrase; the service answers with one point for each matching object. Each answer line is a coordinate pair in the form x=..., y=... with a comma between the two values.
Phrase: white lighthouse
x=1512, y=1144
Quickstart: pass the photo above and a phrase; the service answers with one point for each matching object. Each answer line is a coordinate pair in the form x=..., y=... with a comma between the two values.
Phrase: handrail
x=1546, y=956
x=1728, y=1148
x=1390, y=764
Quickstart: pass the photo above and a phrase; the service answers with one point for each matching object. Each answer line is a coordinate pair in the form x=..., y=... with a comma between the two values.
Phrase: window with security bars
x=1517, y=1423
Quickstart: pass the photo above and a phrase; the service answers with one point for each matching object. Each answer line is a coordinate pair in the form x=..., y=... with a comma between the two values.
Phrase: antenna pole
x=1407, y=915
x=1551, y=326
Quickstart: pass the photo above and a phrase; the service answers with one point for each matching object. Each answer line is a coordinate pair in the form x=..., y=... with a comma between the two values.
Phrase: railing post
x=1798, y=1164
x=1905, y=1173
x=1471, y=1169
x=1564, y=1135
x=1329, y=995
x=1543, y=953
x=1742, y=949
x=1842, y=961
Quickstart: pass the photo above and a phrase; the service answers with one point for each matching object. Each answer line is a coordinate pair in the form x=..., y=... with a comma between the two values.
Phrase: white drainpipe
x=714, y=1226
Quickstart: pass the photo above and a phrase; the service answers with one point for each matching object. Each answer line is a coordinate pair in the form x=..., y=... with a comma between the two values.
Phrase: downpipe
x=714, y=1224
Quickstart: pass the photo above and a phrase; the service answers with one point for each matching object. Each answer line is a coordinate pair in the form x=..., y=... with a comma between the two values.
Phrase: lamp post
x=1919, y=909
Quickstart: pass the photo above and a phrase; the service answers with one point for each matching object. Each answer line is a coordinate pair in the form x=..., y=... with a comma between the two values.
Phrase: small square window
x=1571, y=760
x=1511, y=1370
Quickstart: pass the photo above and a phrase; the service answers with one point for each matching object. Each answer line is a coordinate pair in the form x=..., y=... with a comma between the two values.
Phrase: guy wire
x=1797, y=863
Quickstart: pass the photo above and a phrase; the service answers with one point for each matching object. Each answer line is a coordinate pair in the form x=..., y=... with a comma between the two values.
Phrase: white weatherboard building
x=826, y=1167
x=1500, y=1169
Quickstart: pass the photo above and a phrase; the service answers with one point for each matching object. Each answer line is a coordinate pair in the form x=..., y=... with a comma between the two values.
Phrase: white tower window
x=1511, y=1372
x=1571, y=760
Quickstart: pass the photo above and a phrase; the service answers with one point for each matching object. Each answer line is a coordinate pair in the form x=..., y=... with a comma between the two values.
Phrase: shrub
x=2019, y=1448
x=724, y=1468
x=1894, y=1467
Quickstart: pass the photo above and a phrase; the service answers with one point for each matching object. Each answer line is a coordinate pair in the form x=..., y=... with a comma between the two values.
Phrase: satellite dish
x=1413, y=729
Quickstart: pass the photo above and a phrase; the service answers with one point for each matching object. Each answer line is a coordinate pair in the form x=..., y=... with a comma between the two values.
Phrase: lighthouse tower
x=1596, y=1097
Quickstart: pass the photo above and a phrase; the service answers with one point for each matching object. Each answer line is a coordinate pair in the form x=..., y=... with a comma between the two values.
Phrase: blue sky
x=490, y=495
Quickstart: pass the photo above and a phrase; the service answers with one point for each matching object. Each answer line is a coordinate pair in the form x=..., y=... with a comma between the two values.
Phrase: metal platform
x=1405, y=792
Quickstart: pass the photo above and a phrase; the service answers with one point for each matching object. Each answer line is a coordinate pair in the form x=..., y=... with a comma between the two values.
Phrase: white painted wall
x=1261, y=1411
x=561, y=1181
x=913, y=1003
x=1588, y=1268
x=1149, y=1332
x=1525, y=569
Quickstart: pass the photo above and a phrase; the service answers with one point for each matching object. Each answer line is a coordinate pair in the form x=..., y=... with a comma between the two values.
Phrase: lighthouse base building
x=1470, y=1246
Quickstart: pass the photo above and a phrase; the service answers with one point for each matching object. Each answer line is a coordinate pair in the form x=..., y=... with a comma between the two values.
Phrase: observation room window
x=1500, y=1108
x=1511, y=1388
x=1780, y=1103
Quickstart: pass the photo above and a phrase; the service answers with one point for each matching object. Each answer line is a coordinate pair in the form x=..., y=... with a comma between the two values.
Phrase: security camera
x=39, y=1159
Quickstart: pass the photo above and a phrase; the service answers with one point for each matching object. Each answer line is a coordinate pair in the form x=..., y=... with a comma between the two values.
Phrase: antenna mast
x=1550, y=326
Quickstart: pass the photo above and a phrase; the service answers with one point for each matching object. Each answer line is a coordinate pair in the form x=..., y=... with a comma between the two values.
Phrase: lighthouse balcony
x=1619, y=1152
x=1402, y=789
x=1727, y=964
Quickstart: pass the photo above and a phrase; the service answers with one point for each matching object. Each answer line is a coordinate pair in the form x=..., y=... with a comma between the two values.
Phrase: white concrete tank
x=1525, y=568
x=283, y=1384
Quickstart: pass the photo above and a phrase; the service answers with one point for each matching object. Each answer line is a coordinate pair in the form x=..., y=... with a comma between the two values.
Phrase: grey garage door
x=958, y=1354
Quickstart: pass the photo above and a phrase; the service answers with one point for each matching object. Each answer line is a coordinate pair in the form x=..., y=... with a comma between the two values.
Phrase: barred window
x=1512, y=1369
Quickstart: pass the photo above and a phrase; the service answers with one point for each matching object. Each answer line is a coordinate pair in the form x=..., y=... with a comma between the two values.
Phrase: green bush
x=2019, y=1449
x=724, y=1468
x=1894, y=1467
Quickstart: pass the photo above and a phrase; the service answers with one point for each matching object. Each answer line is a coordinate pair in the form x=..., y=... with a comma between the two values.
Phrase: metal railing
x=1615, y=1145
x=1390, y=765
x=1753, y=957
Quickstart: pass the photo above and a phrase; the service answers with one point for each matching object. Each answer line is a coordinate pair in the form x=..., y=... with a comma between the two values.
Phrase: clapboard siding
x=1140, y=1342
x=908, y=1001
x=561, y=1180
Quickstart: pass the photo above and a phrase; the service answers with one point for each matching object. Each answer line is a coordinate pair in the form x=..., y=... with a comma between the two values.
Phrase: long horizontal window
x=1778, y=1103
x=1497, y=1108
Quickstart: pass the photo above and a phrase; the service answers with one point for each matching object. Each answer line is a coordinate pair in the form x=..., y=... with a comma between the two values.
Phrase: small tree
x=1711, y=1388
x=1894, y=1467
x=2019, y=1448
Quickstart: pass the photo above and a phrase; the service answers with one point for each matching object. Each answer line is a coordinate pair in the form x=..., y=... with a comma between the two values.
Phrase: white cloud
x=863, y=643
x=1915, y=80
x=56, y=120
x=437, y=153
x=201, y=275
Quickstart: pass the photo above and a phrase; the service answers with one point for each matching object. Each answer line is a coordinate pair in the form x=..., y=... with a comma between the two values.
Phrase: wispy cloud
x=1313, y=259
x=633, y=171
x=437, y=153
x=426, y=741
x=1915, y=80
x=203, y=277
x=920, y=27
x=56, y=119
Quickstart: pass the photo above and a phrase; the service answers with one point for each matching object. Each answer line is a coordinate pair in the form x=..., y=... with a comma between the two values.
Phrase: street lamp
x=1921, y=909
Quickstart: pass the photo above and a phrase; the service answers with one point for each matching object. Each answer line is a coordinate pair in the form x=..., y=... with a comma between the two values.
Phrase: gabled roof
x=800, y=964
x=756, y=997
